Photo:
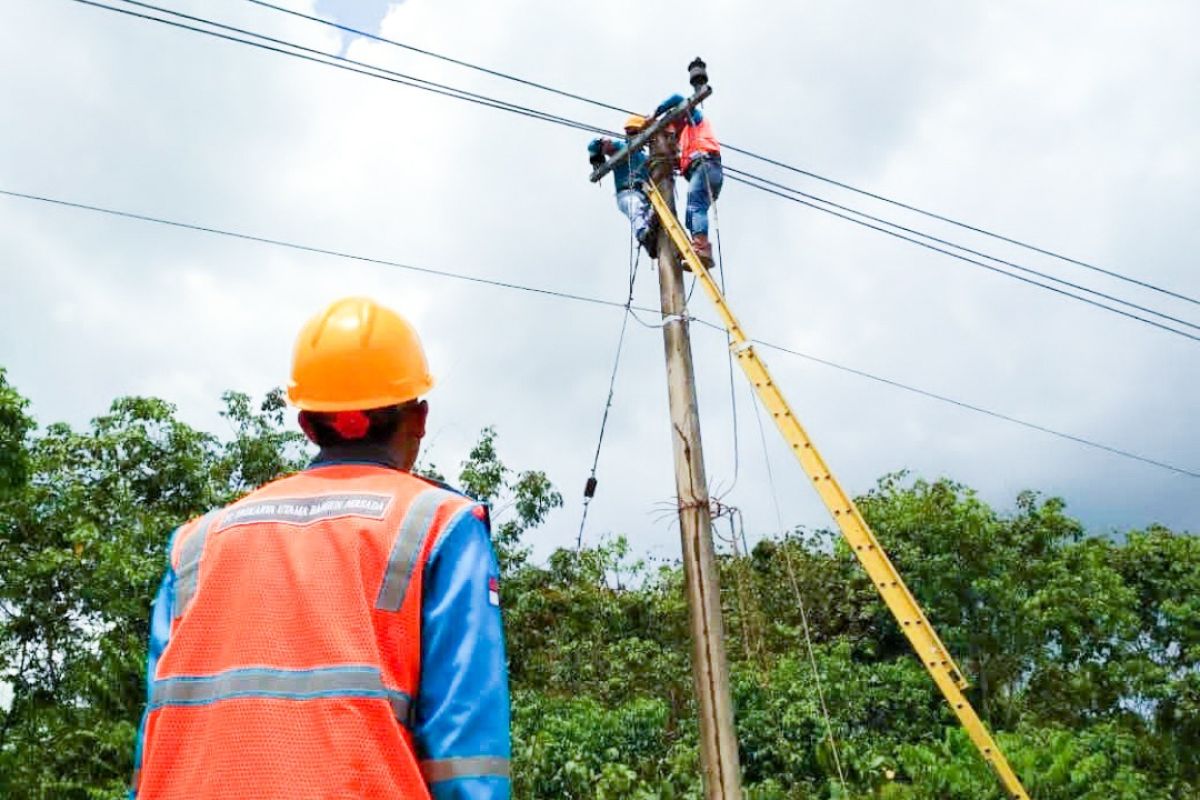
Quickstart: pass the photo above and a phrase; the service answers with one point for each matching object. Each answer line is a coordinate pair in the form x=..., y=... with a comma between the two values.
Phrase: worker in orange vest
x=700, y=164
x=335, y=633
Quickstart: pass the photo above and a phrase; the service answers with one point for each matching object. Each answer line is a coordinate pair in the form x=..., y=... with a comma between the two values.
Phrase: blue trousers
x=704, y=187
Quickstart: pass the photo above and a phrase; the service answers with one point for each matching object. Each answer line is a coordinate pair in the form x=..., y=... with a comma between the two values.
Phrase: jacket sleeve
x=461, y=725
x=160, y=633
x=666, y=105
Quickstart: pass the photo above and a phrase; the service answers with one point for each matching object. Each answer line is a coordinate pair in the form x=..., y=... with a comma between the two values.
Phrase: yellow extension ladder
x=862, y=541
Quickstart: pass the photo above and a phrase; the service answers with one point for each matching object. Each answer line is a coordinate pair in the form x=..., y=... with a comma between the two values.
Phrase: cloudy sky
x=1071, y=125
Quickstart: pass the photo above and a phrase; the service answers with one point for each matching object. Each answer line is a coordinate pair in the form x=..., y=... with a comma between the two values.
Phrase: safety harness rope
x=787, y=560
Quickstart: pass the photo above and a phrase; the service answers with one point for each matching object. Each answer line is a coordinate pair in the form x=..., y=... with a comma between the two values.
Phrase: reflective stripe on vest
x=416, y=524
x=307, y=510
x=188, y=573
x=445, y=769
x=309, y=684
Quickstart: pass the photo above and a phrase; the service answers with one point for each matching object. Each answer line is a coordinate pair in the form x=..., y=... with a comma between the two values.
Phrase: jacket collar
x=355, y=454
x=371, y=454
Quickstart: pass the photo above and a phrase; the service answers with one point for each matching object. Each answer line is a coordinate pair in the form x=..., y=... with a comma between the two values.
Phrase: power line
x=339, y=62
x=980, y=410
x=328, y=252
x=495, y=73
x=961, y=257
x=966, y=226
x=897, y=226
x=732, y=148
x=594, y=300
x=442, y=89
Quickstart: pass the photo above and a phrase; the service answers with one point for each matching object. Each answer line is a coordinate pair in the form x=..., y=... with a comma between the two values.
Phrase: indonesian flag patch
x=494, y=591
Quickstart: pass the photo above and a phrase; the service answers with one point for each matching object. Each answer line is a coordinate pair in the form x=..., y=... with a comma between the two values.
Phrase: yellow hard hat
x=635, y=123
x=357, y=355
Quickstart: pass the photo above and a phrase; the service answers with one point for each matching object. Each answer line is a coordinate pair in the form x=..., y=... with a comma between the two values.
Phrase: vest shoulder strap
x=188, y=550
x=429, y=513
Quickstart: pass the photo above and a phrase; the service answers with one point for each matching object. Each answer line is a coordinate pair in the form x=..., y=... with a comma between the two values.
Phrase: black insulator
x=589, y=491
x=697, y=74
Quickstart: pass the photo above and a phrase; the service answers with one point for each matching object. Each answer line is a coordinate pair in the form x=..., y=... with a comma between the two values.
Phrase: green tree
x=82, y=547
x=1084, y=651
x=519, y=502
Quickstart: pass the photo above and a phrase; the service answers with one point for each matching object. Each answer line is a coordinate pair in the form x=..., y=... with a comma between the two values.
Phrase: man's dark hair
x=340, y=428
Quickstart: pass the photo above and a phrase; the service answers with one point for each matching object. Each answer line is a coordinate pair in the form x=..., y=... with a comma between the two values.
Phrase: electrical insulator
x=589, y=491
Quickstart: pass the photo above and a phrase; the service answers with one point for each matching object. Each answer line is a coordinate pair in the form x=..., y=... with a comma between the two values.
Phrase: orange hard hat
x=357, y=355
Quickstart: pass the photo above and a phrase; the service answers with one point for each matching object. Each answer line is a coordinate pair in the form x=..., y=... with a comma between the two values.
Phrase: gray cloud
x=1069, y=125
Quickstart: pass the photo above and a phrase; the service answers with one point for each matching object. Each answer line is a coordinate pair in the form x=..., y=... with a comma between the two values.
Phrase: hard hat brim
x=403, y=395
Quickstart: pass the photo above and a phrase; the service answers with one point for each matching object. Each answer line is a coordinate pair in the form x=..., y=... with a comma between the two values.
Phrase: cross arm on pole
x=639, y=141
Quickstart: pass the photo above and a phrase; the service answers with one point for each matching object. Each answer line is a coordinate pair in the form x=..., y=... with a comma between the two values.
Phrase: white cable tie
x=667, y=320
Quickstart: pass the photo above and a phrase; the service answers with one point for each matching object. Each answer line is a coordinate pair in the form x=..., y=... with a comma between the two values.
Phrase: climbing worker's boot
x=703, y=249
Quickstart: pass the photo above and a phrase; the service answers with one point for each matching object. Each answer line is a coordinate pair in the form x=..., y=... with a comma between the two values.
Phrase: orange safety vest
x=695, y=141
x=295, y=649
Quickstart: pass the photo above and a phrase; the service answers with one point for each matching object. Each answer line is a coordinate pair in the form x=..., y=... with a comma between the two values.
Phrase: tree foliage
x=1083, y=651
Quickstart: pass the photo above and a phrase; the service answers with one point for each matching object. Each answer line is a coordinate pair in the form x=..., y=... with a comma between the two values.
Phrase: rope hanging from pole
x=589, y=489
x=787, y=560
x=716, y=224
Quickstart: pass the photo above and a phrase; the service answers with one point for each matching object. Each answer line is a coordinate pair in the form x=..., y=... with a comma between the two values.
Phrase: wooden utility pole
x=718, y=742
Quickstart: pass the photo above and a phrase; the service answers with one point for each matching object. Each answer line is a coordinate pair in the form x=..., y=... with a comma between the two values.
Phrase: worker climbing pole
x=674, y=244
x=718, y=741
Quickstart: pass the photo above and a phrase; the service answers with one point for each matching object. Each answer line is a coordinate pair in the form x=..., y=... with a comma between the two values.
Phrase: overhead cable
x=383, y=262
x=477, y=68
x=502, y=105
x=586, y=299
x=968, y=250
x=960, y=257
x=971, y=407
x=969, y=227
x=395, y=77
x=336, y=61
x=742, y=151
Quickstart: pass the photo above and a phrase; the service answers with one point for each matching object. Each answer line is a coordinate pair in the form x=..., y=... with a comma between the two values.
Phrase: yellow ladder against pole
x=891, y=587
